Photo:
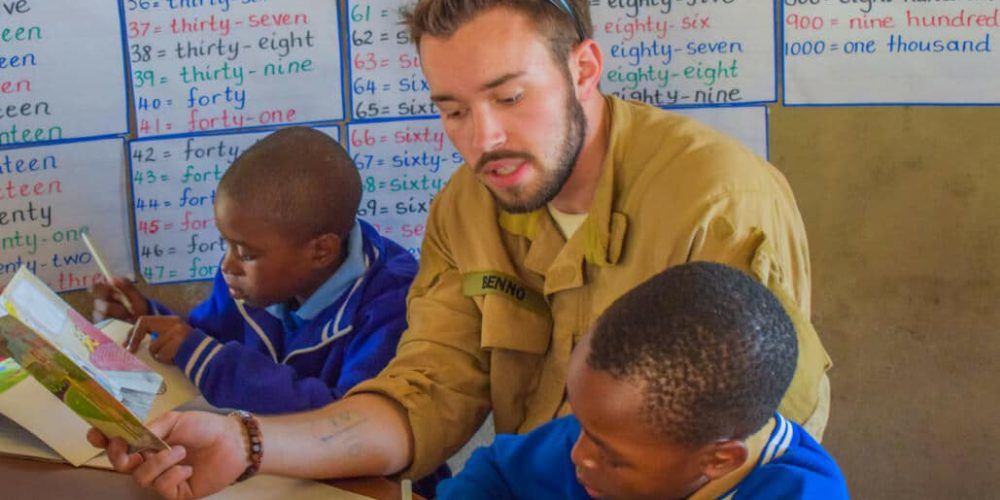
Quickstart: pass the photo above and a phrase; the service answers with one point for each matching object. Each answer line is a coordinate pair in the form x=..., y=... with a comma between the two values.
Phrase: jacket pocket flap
x=509, y=325
x=515, y=316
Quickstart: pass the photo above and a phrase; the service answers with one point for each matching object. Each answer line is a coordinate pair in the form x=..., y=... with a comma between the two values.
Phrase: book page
x=48, y=429
x=36, y=424
x=63, y=375
x=177, y=390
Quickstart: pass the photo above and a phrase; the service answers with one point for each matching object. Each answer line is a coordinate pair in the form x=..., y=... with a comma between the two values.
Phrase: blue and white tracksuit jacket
x=537, y=465
x=244, y=357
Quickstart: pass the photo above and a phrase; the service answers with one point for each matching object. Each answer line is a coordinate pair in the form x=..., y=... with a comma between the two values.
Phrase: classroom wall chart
x=119, y=116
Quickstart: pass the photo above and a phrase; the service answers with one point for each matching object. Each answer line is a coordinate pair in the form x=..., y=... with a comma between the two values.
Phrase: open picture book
x=62, y=375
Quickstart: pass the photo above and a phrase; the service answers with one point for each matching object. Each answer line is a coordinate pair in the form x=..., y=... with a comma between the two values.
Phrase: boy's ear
x=326, y=249
x=723, y=457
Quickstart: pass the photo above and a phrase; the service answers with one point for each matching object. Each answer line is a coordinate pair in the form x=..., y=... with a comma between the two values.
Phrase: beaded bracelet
x=256, y=451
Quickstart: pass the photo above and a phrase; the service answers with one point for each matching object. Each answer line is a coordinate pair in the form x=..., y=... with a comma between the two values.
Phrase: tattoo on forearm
x=341, y=423
x=356, y=449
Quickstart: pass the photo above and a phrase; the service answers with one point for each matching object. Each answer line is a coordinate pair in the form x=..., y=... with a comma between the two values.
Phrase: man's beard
x=552, y=180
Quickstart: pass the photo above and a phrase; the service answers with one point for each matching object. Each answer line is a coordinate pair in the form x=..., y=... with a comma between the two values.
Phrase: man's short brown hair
x=442, y=18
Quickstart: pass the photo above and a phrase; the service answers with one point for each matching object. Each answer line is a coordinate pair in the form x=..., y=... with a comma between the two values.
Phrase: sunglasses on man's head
x=566, y=7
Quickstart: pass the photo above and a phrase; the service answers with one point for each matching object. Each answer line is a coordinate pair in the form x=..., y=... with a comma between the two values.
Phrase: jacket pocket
x=518, y=339
x=509, y=325
x=514, y=316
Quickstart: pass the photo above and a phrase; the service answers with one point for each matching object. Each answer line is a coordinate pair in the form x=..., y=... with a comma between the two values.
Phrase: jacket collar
x=373, y=250
x=598, y=241
x=352, y=268
x=763, y=446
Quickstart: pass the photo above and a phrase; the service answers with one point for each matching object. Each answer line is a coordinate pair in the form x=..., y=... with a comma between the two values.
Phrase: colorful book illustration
x=10, y=374
x=89, y=372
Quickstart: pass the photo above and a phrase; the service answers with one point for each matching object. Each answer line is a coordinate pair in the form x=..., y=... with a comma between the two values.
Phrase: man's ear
x=326, y=250
x=723, y=457
x=586, y=62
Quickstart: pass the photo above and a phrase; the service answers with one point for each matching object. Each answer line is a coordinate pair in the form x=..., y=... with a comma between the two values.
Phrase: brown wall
x=901, y=205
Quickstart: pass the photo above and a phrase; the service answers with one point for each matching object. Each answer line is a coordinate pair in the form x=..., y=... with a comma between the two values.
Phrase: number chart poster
x=384, y=69
x=403, y=164
x=209, y=66
x=878, y=52
x=53, y=52
x=51, y=194
x=173, y=188
x=682, y=54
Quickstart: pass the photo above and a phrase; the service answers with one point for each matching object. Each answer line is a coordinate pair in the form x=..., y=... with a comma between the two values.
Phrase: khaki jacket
x=501, y=299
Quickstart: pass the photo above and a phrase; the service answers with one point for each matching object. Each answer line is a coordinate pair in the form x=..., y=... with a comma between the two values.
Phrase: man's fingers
x=156, y=464
x=164, y=424
x=120, y=458
x=97, y=438
x=173, y=484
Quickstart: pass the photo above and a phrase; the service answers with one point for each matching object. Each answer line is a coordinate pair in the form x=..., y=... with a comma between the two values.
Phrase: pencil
x=107, y=273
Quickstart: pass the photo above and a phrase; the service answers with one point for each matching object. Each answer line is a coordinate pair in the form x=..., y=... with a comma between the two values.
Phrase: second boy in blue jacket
x=674, y=395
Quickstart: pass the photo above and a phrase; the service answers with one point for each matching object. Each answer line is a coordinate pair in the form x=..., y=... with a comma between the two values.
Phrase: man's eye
x=453, y=114
x=514, y=99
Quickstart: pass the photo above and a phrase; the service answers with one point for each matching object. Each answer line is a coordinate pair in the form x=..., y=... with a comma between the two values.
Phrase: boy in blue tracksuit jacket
x=272, y=360
x=675, y=404
x=307, y=302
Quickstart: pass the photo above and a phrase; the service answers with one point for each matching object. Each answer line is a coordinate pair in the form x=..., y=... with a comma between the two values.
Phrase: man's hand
x=208, y=452
x=108, y=301
x=170, y=334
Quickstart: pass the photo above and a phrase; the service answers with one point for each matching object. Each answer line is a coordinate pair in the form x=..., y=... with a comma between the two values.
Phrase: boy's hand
x=108, y=302
x=170, y=332
x=207, y=453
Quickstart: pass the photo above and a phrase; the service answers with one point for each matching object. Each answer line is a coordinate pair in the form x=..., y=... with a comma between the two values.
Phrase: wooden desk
x=29, y=480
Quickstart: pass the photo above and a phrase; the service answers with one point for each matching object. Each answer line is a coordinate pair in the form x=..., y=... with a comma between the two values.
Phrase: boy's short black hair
x=298, y=179
x=712, y=350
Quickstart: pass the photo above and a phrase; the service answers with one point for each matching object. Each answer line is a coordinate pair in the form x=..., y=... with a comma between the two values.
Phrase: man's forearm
x=363, y=435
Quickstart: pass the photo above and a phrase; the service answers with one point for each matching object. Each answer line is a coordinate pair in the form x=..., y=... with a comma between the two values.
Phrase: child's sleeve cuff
x=195, y=353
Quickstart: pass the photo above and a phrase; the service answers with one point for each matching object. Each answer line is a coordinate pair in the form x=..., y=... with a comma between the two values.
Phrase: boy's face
x=262, y=266
x=507, y=106
x=618, y=454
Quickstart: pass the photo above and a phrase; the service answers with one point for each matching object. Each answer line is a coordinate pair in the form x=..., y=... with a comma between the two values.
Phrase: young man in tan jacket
x=569, y=199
